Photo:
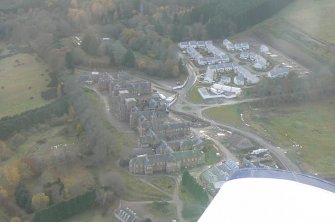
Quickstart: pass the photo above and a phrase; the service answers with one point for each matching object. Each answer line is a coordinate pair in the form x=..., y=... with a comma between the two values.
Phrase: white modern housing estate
x=250, y=78
x=229, y=45
x=219, y=91
x=243, y=46
x=218, y=56
x=259, y=62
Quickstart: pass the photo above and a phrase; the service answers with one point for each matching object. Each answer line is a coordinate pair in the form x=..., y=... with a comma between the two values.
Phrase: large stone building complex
x=165, y=145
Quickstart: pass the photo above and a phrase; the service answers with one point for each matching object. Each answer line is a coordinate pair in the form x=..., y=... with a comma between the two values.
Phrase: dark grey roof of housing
x=127, y=215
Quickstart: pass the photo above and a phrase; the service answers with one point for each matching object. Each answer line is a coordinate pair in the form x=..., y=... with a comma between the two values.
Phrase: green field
x=139, y=191
x=193, y=95
x=165, y=183
x=228, y=115
x=305, y=131
x=22, y=79
x=162, y=210
x=92, y=216
x=313, y=17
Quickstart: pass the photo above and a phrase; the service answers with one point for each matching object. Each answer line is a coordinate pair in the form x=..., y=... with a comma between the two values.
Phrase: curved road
x=197, y=109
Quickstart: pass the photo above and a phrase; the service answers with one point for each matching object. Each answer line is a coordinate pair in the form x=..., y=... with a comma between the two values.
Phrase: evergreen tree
x=69, y=61
x=111, y=57
x=23, y=198
x=129, y=59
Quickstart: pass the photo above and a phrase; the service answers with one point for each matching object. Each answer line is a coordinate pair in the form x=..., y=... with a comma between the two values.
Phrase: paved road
x=197, y=110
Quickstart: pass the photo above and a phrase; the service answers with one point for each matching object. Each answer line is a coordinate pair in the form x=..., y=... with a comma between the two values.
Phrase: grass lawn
x=306, y=131
x=193, y=95
x=313, y=17
x=211, y=155
x=165, y=183
x=94, y=215
x=139, y=191
x=186, y=108
x=162, y=210
x=22, y=77
x=227, y=115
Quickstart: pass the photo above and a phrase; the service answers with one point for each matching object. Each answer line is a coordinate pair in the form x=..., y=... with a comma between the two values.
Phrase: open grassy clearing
x=313, y=17
x=193, y=95
x=92, y=216
x=306, y=131
x=37, y=142
x=163, y=211
x=22, y=79
x=137, y=190
x=227, y=115
x=186, y=108
x=165, y=183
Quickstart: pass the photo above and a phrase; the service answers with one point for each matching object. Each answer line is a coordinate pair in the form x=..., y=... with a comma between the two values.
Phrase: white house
x=239, y=80
x=125, y=214
x=194, y=54
x=242, y=46
x=264, y=49
x=193, y=44
x=225, y=58
x=225, y=80
x=201, y=44
x=183, y=45
x=220, y=89
x=209, y=75
x=216, y=51
x=229, y=45
x=260, y=62
x=252, y=56
x=208, y=43
x=251, y=79
x=244, y=55
x=202, y=61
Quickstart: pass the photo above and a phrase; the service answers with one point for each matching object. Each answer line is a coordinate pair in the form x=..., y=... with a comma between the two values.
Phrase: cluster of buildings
x=215, y=55
x=242, y=76
x=217, y=175
x=259, y=158
x=164, y=145
x=243, y=46
x=259, y=62
x=125, y=214
x=77, y=41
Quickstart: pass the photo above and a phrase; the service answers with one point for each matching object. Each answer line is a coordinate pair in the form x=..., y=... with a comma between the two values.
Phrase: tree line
x=132, y=33
x=66, y=209
x=191, y=185
x=11, y=125
x=293, y=88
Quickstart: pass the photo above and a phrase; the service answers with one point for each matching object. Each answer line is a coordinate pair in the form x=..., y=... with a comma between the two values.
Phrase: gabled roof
x=126, y=215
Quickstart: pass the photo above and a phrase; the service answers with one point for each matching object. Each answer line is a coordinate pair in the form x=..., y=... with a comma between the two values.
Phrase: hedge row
x=66, y=209
x=12, y=125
